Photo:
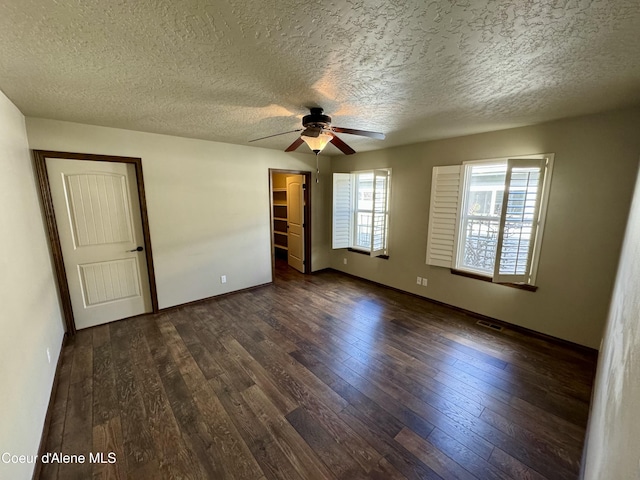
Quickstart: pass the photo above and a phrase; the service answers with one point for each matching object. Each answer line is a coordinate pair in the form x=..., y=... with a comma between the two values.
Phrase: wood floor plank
x=101, y=335
x=319, y=376
x=210, y=331
x=334, y=345
x=343, y=435
x=173, y=455
x=385, y=421
x=138, y=443
x=547, y=420
x=435, y=417
x=298, y=382
x=516, y=469
x=207, y=364
x=432, y=456
x=427, y=395
x=283, y=402
x=105, y=400
x=53, y=443
x=76, y=438
x=528, y=453
x=335, y=456
x=272, y=334
x=472, y=462
x=107, y=441
x=398, y=456
x=271, y=458
x=542, y=441
x=299, y=453
x=386, y=471
x=228, y=446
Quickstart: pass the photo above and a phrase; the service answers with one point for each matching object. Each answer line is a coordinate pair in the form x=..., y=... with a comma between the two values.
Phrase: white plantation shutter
x=519, y=220
x=446, y=187
x=342, y=210
x=379, y=220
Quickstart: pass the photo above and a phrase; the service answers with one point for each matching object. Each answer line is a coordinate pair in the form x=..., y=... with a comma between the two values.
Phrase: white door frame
x=307, y=216
x=40, y=165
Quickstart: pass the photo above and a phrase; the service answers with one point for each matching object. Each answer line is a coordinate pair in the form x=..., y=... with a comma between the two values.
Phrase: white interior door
x=100, y=227
x=295, y=221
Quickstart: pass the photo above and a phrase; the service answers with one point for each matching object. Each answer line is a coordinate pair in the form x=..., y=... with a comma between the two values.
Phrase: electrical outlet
x=419, y=281
x=344, y=261
x=424, y=282
x=223, y=279
x=48, y=355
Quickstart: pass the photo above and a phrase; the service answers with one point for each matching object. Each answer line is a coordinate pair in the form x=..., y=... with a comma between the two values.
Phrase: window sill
x=368, y=254
x=521, y=286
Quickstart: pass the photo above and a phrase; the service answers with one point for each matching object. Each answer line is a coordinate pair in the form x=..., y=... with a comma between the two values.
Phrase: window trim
x=475, y=276
x=455, y=263
x=339, y=181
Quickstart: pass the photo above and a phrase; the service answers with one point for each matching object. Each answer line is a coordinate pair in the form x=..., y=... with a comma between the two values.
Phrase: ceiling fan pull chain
x=317, y=168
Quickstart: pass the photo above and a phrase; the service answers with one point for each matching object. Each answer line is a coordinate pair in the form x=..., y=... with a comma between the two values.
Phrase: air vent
x=492, y=326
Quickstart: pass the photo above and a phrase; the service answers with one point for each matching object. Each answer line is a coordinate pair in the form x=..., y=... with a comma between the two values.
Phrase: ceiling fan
x=318, y=131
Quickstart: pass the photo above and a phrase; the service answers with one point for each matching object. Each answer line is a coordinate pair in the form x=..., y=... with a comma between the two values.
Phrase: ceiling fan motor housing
x=316, y=119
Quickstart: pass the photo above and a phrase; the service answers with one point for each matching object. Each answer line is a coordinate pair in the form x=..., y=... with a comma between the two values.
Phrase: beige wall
x=30, y=319
x=614, y=425
x=208, y=204
x=596, y=158
x=209, y=215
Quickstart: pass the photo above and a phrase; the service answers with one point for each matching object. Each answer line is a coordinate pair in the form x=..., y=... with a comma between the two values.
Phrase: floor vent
x=492, y=326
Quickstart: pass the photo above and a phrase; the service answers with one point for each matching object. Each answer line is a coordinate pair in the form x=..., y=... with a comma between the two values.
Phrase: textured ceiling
x=233, y=70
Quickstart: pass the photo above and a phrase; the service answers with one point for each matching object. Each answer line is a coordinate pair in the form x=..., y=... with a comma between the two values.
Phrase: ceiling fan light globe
x=317, y=144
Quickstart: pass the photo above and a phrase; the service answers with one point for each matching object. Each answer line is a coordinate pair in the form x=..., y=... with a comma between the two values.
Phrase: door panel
x=295, y=222
x=99, y=223
x=110, y=281
x=100, y=209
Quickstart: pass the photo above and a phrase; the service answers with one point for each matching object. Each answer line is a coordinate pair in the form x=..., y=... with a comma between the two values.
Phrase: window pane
x=479, y=203
x=480, y=242
x=481, y=216
x=364, y=201
x=363, y=229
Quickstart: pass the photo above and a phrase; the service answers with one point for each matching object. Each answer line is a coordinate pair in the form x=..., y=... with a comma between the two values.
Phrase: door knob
x=138, y=249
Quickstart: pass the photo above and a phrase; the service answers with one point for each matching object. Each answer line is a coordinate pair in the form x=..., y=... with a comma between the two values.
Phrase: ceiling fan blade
x=343, y=147
x=275, y=135
x=364, y=133
x=295, y=145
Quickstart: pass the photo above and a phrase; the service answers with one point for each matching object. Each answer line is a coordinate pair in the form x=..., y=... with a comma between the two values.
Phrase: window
x=361, y=211
x=486, y=217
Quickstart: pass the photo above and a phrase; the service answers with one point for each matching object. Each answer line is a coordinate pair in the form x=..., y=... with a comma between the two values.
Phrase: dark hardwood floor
x=318, y=376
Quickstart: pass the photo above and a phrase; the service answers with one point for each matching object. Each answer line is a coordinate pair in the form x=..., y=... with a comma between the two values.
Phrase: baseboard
x=222, y=295
x=47, y=419
x=517, y=328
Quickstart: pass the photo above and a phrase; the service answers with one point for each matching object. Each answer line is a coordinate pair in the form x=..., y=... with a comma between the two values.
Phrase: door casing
x=307, y=216
x=39, y=158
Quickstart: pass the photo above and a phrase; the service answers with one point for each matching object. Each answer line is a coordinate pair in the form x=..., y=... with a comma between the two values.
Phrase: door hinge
x=304, y=186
